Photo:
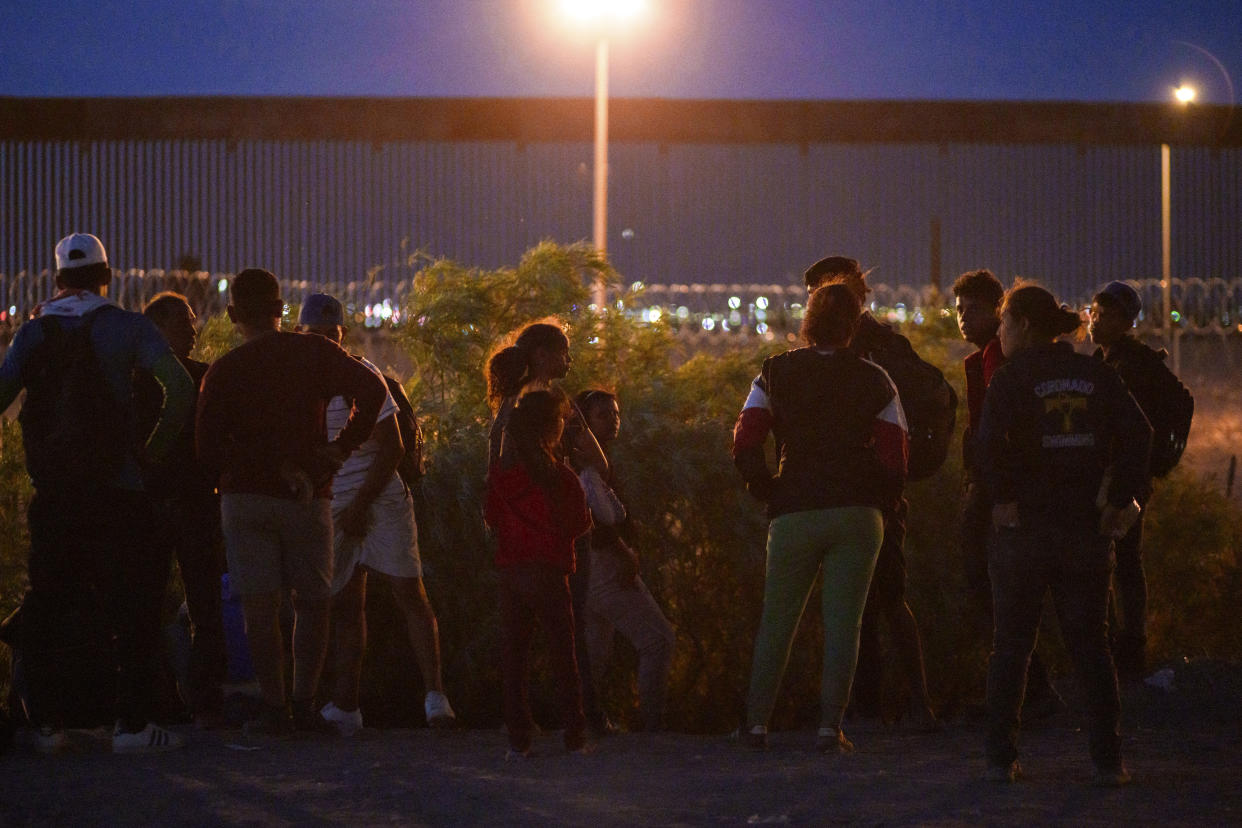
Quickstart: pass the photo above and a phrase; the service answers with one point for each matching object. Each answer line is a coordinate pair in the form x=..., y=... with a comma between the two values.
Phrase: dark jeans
x=1076, y=566
x=531, y=594
x=189, y=528
x=977, y=535
x=1130, y=637
x=92, y=559
x=888, y=589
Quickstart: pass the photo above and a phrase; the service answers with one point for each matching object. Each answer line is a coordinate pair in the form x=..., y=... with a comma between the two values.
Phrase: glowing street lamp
x=602, y=16
x=1184, y=95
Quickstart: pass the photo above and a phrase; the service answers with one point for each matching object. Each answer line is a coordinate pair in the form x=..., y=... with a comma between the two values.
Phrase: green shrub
x=15, y=491
x=1191, y=538
x=700, y=535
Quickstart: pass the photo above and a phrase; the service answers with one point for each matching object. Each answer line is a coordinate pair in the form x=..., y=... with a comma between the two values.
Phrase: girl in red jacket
x=537, y=509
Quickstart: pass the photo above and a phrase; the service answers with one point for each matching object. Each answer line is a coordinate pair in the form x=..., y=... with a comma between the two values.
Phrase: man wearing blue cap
x=1169, y=407
x=375, y=532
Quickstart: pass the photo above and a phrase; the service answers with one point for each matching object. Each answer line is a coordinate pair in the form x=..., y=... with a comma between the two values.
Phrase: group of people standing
x=1058, y=466
x=283, y=454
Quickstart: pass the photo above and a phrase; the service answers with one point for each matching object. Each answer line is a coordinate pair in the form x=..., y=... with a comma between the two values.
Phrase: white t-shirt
x=349, y=479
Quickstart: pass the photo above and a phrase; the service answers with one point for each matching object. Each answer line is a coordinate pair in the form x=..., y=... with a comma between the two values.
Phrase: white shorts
x=390, y=545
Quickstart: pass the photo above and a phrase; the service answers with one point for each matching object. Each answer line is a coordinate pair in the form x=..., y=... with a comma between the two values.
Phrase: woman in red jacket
x=537, y=509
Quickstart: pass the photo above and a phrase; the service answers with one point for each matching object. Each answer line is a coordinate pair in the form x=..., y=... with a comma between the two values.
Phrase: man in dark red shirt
x=979, y=294
x=261, y=425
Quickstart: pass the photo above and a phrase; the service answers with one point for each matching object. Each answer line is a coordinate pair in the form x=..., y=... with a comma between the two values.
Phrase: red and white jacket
x=840, y=433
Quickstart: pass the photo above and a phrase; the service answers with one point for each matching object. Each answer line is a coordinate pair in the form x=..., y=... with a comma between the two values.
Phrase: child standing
x=537, y=509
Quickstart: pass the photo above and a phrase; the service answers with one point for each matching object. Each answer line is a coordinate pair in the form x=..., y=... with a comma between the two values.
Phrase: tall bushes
x=699, y=534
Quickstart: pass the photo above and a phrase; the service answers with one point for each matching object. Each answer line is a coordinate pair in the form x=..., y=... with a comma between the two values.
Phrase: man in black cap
x=1168, y=406
x=90, y=517
x=261, y=426
x=887, y=598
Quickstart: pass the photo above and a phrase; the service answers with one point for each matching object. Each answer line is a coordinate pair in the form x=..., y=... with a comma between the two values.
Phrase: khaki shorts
x=274, y=544
x=390, y=545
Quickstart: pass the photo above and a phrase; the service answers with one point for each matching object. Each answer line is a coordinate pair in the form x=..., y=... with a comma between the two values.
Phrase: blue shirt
x=123, y=341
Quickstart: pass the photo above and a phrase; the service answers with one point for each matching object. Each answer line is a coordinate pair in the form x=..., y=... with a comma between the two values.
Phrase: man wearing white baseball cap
x=89, y=519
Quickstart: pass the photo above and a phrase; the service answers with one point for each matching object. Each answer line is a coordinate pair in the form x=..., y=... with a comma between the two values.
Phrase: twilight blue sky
x=1090, y=50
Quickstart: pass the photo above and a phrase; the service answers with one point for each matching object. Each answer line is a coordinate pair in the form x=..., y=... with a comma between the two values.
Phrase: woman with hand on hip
x=1064, y=449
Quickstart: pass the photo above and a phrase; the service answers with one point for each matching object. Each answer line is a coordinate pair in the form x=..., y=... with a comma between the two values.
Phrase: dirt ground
x=1185, y=753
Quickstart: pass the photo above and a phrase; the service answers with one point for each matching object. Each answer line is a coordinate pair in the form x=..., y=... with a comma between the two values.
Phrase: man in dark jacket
x=888, y=585
x=1113, y=311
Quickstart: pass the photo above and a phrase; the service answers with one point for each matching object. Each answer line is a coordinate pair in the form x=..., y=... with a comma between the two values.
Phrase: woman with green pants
x=841, y=435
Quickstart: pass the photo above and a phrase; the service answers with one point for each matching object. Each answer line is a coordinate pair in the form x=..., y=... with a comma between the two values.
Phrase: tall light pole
x=601, y=16
x=599, y=212
x=1183, y=95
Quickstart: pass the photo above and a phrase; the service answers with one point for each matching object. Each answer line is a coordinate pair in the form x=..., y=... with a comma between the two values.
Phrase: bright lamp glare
x=1184, y=94
x=587, y=11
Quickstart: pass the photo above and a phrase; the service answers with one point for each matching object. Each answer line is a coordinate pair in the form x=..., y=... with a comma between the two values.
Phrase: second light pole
x=1184, y=95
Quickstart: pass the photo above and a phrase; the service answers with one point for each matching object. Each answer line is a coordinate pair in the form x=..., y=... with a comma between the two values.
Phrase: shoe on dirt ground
x=271, y=723
x=1117, y=777
x=1006, y=774
x=603, y=728
x=307, y=719
x=921, y=719
x=832, y=740
x=151, y=739
x=439, y=712
x=346, y=722
x=756, y=738
x=50, y=740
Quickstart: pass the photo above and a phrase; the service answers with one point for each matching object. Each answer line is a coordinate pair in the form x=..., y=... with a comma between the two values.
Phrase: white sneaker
x=50, y=740
x=346, y=722
x=151, y=739
x=439, y=711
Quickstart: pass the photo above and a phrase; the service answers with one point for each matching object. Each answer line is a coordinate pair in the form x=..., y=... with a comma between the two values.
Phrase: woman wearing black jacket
x=843, y=445
x=1064, y=450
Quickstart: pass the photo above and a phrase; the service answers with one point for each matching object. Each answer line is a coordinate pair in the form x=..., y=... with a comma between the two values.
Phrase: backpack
x=1169, y=407
x=75, y=432
x=412, y=466
x=1170, y=425
x=927, y=398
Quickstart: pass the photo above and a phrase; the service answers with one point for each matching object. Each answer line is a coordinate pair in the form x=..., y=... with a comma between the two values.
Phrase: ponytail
x=509, y=367
x=506, y=372
x=1033, y=303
